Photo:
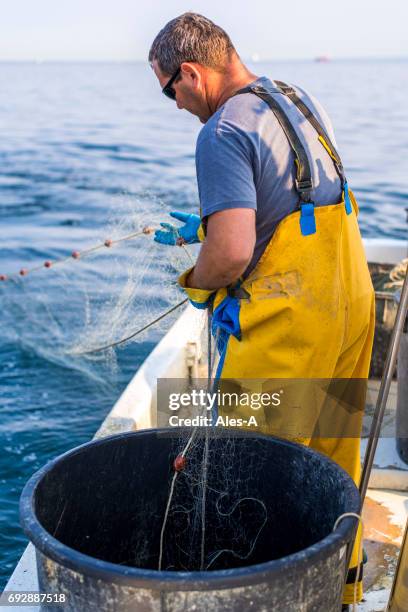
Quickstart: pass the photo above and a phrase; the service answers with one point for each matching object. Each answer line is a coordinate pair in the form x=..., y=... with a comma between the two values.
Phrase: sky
x=123, y=29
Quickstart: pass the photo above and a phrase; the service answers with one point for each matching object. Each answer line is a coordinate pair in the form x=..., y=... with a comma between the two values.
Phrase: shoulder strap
x=323, y=136
x=303, y=181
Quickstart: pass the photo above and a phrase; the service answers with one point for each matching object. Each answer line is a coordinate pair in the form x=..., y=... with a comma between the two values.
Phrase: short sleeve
x=225, y=173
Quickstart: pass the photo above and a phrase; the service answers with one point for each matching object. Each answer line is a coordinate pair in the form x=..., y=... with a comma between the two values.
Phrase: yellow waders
x=305, y=312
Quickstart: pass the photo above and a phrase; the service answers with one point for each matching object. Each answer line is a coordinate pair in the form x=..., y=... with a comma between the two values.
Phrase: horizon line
x=316, y=58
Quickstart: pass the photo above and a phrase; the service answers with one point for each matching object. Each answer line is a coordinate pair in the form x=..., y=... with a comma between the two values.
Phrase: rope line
x=146, y=231
x=136, y=333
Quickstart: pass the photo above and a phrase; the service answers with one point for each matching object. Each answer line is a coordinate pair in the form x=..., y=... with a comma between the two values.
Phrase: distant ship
x=322, y=58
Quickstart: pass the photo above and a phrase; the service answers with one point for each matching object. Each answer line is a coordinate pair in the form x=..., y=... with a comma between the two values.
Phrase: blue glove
x=188, y=232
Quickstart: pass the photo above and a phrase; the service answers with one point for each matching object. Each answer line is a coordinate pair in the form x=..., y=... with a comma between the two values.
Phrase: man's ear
x=192, y=74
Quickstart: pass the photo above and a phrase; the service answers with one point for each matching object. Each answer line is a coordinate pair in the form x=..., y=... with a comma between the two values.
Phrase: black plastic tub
x=95, y=515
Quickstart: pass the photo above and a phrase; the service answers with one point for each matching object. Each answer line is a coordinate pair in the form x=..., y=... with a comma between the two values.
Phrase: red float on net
x=23, y=272
x=76, y=254
x=108, y=242
x=179, y=463
x=47, y=264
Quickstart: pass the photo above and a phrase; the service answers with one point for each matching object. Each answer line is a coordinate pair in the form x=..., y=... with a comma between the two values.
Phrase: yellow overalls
x=307, y=309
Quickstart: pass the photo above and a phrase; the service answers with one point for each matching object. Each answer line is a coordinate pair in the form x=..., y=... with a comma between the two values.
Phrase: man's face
x=190, y=93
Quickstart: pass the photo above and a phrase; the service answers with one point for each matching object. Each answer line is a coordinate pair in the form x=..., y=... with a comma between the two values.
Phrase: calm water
x=88, y=149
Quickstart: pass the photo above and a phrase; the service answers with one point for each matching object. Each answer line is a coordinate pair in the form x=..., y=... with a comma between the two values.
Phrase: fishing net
x=80, y=304
x=69, y=311
x=214, y=516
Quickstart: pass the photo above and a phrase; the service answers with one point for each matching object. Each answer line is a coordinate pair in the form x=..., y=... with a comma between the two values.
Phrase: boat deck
x=384, y=517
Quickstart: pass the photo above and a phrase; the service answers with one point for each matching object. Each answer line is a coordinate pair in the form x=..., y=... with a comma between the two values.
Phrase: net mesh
x=82, y=304
x=213, y=520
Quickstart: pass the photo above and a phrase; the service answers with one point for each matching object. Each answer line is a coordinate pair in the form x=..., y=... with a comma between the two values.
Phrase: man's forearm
x=214, y=270
x=226, y=251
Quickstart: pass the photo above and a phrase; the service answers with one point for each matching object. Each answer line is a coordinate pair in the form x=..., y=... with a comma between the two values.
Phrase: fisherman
x=282, y=263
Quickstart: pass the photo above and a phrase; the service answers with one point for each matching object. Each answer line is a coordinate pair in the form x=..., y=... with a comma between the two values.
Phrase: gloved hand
x=188, y=233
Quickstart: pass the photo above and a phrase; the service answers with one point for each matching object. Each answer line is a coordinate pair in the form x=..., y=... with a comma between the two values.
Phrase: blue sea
x=94, y=151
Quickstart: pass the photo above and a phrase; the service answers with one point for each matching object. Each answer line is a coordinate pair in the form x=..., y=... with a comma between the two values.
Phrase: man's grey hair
x=191, y=38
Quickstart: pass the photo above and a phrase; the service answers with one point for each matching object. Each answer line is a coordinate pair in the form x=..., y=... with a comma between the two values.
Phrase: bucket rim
x=151, y=579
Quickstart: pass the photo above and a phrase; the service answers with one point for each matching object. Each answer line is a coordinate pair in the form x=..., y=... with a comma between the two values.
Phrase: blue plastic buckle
x=347, y=201
x=307, y=219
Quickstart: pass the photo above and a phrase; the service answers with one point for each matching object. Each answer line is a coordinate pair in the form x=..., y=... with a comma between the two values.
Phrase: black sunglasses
x=168, y=90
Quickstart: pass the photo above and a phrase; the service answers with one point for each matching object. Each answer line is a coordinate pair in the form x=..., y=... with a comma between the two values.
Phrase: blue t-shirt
x=244, y=160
